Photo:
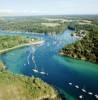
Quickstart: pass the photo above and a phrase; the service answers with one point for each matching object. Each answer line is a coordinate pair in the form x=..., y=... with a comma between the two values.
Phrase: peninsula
x=9, y=43
x=86, y=47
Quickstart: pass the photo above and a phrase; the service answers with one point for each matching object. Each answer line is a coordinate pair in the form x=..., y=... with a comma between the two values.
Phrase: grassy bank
x=19, y=87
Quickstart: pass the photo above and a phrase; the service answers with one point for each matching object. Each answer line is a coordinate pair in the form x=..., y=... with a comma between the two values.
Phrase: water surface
x=61, y=70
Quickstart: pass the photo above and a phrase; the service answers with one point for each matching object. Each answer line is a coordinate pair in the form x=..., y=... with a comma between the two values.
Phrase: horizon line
x=45, y=15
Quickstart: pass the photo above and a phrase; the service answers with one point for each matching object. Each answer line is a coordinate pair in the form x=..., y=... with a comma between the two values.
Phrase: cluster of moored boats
x=84, y=91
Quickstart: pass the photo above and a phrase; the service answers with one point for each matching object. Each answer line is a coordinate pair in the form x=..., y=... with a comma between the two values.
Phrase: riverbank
x=2, y=66
x=84, y=49
x=20, y=87
x=20, y=46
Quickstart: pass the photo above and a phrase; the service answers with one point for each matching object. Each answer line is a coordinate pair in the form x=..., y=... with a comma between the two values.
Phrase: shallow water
x=61, y=70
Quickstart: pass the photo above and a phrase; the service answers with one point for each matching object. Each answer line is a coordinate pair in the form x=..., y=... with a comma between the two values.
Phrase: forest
x=87, y=47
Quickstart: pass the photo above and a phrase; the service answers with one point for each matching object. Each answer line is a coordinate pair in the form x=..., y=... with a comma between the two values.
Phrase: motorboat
x=96, y=96
x=83, y=90
x=43, y=73
x=81, y=97
x=76, y=86
x=35, y=70
x=70, y=83
x=90, y=93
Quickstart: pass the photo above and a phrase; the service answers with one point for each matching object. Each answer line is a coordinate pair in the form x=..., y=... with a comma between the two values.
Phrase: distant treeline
x=32, y=25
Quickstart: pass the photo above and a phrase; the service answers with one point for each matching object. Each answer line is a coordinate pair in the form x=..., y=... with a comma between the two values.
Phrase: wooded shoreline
x=20, y=46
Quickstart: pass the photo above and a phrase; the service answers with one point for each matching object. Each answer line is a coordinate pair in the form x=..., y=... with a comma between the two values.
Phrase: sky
x=48, y=7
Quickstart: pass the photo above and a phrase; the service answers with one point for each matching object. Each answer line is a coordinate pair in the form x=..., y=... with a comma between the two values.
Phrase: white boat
x=76, y=86
x=43, y=73
x=35, y=70
x=96, y=96
x=90, y=93
x=81, y=97
x=83, y=90
x=70, y=83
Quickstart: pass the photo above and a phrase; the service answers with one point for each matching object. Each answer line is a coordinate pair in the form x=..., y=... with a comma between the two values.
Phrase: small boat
x=90, y=93
x=83, y=90
x=43, y=73
x=76, y=86
x=70, y=83
x=96, y=96
x=81, y=97
x=35, y=70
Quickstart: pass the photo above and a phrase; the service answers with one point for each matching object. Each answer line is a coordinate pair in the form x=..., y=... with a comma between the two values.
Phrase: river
x=61, y=70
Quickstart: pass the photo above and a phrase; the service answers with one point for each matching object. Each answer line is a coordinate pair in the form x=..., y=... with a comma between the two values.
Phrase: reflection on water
x=77, y=78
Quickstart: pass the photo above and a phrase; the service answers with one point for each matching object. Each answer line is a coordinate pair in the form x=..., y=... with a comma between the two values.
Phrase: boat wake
x=35, y=69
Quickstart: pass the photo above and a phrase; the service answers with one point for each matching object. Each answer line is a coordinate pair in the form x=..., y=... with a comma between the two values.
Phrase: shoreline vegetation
x=86, y=48
x=20, y=87
x=14, y=86
x=8, y=43
x=2, y=66
x=21, y=45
